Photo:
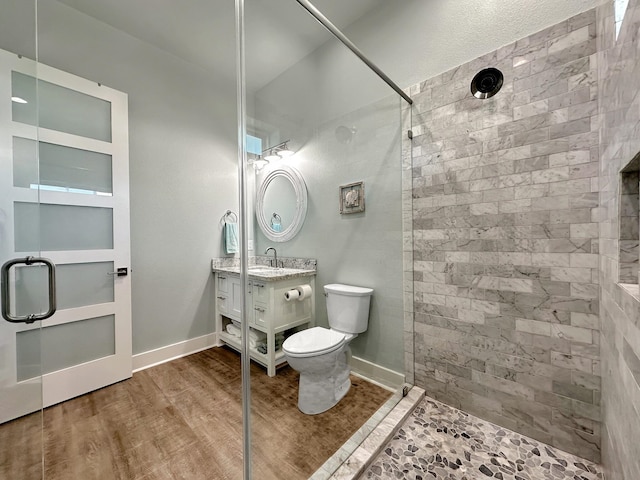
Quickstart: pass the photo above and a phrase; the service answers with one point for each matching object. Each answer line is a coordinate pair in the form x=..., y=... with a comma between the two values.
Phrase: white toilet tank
x=348, y=307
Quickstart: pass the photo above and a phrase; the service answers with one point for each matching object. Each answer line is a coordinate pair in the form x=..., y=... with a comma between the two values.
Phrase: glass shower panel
x=344, y=125
x=21, y=417
x=176, y=123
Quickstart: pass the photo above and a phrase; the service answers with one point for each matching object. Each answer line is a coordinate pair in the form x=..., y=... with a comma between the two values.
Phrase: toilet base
x=319, y=393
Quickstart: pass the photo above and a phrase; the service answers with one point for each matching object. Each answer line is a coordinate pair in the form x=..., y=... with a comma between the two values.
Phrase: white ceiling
x=279, y=33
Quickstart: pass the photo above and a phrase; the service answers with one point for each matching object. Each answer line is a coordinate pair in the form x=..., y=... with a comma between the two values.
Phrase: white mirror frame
x=295, y=177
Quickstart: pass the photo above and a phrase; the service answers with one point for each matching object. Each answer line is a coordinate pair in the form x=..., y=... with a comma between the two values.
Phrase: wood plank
x=183, y=419
x=21, y=448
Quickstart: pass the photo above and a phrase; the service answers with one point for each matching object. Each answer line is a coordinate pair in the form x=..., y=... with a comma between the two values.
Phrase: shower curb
x=357, y=453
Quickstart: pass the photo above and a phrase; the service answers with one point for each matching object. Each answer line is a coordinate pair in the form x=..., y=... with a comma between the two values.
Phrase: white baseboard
x=160, y=355
x=381, y=376
x=384, y=377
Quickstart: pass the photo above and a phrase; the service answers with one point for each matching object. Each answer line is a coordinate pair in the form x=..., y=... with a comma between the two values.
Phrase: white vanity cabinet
x=268, y=310
x=228, y=299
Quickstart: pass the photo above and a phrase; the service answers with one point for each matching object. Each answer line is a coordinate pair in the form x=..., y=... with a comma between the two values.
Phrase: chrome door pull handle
x=6, y=297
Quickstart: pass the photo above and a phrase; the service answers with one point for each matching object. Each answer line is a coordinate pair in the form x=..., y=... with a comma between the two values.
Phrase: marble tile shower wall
x=505, y=203
x=619, y=98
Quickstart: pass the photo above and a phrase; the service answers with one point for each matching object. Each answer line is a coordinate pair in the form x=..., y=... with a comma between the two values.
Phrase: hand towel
x=257, y=335
x=231, y=237
x=233, y=330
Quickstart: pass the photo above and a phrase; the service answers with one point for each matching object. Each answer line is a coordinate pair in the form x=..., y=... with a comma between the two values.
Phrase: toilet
x=320, y=354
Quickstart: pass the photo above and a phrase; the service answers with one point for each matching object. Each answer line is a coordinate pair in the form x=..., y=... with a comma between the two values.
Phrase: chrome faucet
x=274, y=262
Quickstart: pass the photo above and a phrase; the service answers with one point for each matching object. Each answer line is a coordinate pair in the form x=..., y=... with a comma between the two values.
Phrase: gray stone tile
x=506, y=240
x=441, y=442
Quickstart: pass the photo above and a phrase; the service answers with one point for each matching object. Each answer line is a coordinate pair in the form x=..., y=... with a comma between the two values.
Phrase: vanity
x=281, y=207
x=268, y=310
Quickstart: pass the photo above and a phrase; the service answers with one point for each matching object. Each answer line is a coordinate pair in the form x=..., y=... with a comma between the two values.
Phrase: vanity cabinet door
x=222, y=294
x=222, y=303
x=260, y=292
x=260, y=315
x=235, y=305
x=222, y=283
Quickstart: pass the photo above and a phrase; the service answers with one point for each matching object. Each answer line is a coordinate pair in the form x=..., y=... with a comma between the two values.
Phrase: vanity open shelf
x=268, y=309
x=261, y=358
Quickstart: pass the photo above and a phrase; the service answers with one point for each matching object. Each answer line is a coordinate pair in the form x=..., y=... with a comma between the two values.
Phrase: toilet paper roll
x=299, y=293
x=304, y=291
x=290, y=295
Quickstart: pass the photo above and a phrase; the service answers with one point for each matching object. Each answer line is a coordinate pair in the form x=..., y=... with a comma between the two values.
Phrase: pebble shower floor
x=444, y=443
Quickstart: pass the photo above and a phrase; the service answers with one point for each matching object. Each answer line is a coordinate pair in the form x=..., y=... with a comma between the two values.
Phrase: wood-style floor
x=183, y=420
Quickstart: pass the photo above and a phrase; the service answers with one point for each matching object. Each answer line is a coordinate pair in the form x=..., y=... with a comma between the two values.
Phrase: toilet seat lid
x=313, y=341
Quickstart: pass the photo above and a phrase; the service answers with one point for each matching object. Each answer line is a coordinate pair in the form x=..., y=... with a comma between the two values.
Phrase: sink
x=264, y=269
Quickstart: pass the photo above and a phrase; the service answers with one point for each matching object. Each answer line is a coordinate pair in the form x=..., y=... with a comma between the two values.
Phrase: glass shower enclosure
x=340, y=123
x=114, y=146
x=19, y=397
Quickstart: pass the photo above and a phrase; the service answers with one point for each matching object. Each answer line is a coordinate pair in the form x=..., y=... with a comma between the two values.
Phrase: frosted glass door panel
x=59, y=108
x=25, y=163
x=64, y=345
x=78, y=285
x=61, y=168
x=62, y=227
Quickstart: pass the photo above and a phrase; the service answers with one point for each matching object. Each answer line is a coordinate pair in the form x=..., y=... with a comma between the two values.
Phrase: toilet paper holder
x=298, y=293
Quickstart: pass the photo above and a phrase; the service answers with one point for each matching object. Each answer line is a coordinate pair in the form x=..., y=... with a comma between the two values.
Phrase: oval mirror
x=281, y=204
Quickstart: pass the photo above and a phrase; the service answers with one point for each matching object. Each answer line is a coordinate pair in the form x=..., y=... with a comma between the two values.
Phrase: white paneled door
x=64, y=197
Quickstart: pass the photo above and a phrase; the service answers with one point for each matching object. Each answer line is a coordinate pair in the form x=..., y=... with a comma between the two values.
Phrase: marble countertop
x=266, y=273
x=259, y=267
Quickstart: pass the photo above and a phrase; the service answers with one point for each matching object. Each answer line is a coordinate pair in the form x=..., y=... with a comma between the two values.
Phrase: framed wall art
x=352, y=198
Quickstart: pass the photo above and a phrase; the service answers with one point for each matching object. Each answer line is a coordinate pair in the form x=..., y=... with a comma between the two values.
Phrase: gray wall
x=506, y=239
x=411, y=41
x=326, y=90
x=182, y=124
x=619, y=72
x=414, y=40
x=363, y=249
x=182, y=164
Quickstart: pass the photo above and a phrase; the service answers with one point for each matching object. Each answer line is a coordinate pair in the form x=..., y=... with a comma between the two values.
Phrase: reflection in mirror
x=276, y=222
x=281, y=204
